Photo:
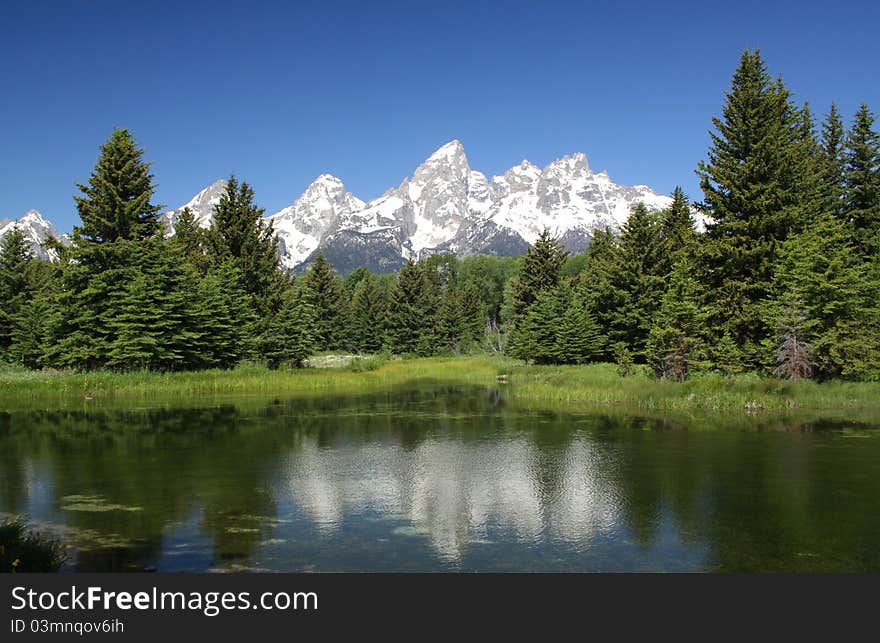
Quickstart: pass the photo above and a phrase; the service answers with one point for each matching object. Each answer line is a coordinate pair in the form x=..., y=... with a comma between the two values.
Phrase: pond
x=442, y=478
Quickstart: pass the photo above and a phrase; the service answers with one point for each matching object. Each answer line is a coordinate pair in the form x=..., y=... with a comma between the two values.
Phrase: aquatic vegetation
x=25, y=550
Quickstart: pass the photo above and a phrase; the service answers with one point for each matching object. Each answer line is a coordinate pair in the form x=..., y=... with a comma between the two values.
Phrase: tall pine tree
x=115, y=203
x=862, y=181
x=636, y=278
x=539, y=272
x=15, y=287
x=118, y=218
x=240, y=234
x=833, y=144
x=756, y=190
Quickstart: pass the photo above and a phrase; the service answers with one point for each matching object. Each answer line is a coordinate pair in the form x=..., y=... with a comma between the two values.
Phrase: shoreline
x=593, y=385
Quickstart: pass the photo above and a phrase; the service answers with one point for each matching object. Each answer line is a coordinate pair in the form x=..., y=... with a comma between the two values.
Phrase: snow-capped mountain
x=445, y=206
x=302, y=226
x=202, y=206
x=37, y=229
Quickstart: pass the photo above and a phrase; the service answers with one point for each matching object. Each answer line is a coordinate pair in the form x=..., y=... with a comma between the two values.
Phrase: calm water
x=443, y=479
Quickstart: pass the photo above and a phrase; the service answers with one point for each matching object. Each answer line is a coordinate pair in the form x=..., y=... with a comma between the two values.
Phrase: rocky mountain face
x=37, y=229
x=323, y=209
x=445, y=206
x=448, y=207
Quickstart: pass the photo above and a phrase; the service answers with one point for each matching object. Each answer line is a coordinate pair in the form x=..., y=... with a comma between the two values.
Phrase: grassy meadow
x=596, y=384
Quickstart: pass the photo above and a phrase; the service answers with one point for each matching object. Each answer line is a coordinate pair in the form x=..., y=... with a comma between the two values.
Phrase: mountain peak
x=569, y=164
x=36, y=229
x=448, y=151
x=444, y=206
x=327, y=180
x=201, y=205
x=34, y=216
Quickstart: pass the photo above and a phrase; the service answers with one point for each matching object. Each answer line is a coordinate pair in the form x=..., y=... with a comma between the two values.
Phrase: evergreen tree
x=190, y=240
x=432, y=292
x=30, y=332
x=290, y=336
x=116, y=202
x=473, y=316
x=538, y=333
x=326, y=295
x=225, y=318
x=136, y=345
x=677, y=336
x=412, y=312
x=118, y=220
x=449, y=321
x=862, y=181
x=636, y=277
x=725, y=356
x=151, y=321
x=833, y=295
x=809, y=172
x=460, y=319
x=579, y=339
x=367, y=320
x=539, y=271
x=238, y=233
x=757, y=191
x=677, y=223
x=594, y=286
x=833, y=161
x=15, y=287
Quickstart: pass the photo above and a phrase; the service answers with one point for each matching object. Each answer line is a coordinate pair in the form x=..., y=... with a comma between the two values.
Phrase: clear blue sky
x=280, y=92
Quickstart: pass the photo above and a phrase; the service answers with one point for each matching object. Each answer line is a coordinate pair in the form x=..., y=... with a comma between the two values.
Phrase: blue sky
x=278, y=93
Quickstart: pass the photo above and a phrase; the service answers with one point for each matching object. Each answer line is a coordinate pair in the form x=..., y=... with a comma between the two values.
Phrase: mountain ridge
x=443, y=206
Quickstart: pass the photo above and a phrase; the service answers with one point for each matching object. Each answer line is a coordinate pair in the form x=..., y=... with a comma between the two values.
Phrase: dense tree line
x=785, y=278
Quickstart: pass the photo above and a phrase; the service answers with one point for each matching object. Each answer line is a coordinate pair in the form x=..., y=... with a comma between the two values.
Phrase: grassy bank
x=17, y=387
x=601, y=384
x=597, y=384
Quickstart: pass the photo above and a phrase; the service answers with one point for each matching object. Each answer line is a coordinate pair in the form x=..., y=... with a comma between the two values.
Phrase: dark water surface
x=442, y=478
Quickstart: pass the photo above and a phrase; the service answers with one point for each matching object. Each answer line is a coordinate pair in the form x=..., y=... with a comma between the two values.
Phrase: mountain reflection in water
x=442, y=478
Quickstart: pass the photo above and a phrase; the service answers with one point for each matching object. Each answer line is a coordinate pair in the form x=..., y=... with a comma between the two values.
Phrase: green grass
x=597, y=384
x=600, y=384
x=17, y=387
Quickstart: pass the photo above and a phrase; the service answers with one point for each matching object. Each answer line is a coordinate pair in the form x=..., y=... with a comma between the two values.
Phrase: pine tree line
x=785, y=279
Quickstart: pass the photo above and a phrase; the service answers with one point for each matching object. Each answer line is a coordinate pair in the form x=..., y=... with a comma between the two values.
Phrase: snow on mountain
x=37, y=229
x=202, y=206
x=301, y=226
x=565, y=197
x=445, y=206
x=448, y=207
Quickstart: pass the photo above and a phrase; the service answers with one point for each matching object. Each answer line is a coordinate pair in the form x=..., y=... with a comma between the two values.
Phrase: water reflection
x=440, y=478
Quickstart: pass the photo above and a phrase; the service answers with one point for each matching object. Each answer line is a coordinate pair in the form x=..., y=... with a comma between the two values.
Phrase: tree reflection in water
x=442, y=478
